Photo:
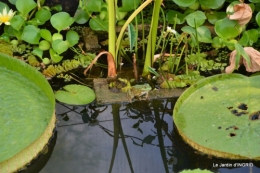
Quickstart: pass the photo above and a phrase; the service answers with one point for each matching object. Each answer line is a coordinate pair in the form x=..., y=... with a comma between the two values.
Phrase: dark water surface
x=86, y=137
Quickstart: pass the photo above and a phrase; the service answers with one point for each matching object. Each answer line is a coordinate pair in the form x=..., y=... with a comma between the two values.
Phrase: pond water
x=86, y=136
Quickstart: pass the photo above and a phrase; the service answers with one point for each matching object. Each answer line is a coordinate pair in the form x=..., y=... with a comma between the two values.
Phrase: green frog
x=139, y=91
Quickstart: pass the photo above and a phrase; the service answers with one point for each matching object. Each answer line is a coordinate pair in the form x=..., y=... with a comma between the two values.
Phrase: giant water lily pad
x=220, y=116
x=75, y=95
x=27, y=116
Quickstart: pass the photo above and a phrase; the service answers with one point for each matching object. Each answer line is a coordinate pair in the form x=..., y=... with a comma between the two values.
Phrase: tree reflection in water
x=133, y=137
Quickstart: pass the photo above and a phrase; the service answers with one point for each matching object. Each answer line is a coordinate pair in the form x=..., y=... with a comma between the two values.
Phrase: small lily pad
x=75, y=95
x=220, y=116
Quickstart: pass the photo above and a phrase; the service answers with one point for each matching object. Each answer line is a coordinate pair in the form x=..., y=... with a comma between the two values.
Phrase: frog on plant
x=139, y=92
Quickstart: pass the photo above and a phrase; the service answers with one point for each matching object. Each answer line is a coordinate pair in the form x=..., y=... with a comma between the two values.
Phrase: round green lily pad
x=26, y=107
x=220, y=116
x=75, y=95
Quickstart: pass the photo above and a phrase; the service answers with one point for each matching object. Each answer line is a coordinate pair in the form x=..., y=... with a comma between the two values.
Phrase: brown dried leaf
x=254, y=58
x=110, y=61
x=242, y=13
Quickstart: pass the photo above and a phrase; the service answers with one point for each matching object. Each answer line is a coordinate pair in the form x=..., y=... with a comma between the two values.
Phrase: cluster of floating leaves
x=21, y=49
x=180, y=81
x=66, y=77
x=32, y=60
x=85, y=60
x=199, y=60
x=67, y=65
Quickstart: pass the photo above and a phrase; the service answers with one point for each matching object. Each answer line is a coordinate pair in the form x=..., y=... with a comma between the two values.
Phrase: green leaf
x=34, y=22
x=72, y=37
x=43, y=15
x=12, y=32
x=131, y=36
x=213, y=4
x=227, y=29
x=191, y=31
x=75, y=95
x=184, y=3
x=219, y=115
x=93, y=5
x=57, y=36
x=152, y=70
x=230, y=43
x=129, y=5
x=61, y=20
x=28, y=93
x=31, y=34
x=249, y=37
x=12, y=1
x=240, y=50
x=253, y=36
x=98, y=24
x=244, y=40
x=44, y=45
x=120, y=15
x=38, y=52
x=254, y=1
x=237, y=60
x=46, y=34
x=57, y=8
x=25, y=8
x=196, y=19
x=60, y=46
x=54, y=56
x=217, y=42
x=203, y=33
x=214, y=16
x=103, y=15
x=17, y=22
x=257, y=18
x=173, y=17
x=81, y=16
x=2, y=6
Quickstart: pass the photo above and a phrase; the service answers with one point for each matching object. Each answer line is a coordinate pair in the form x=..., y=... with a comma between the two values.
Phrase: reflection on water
x=137, y=137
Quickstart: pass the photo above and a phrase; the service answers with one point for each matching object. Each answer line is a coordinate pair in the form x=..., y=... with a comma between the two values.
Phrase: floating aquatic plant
x=226, y=105
x=66, y=65
x=75, y=95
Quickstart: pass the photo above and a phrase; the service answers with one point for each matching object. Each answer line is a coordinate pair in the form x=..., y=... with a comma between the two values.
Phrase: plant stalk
x=112, y=28
x=152, y=38
x=129, y=20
